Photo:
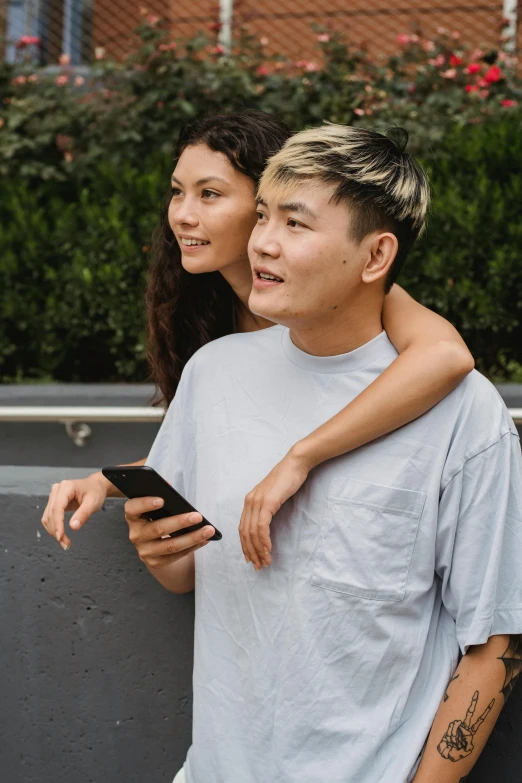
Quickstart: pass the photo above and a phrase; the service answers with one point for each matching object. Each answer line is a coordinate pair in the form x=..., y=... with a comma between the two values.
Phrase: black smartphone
x=140, y=481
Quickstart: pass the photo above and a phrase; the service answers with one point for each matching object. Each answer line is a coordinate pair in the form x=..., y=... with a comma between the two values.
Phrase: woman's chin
x=196, y=266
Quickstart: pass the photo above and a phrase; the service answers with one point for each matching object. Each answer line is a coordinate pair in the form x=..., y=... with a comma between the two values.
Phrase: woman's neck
x=239, y=278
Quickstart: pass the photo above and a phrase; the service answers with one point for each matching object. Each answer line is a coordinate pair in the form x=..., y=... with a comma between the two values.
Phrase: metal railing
x=76, y=417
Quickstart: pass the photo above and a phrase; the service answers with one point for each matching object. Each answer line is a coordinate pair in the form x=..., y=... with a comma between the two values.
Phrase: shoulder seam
x=486, y=448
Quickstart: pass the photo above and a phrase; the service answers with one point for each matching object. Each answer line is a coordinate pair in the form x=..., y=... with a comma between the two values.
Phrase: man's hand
x=263, y=502
x=152, y=539
x=457, y=742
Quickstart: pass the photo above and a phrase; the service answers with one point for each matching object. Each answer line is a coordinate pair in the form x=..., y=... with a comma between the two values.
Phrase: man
x=338, y=664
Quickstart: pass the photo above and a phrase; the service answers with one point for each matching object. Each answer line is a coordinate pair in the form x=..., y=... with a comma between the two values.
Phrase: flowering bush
x=87, y=155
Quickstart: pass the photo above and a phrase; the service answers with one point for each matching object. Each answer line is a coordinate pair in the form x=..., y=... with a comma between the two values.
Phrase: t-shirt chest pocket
x=367, y=541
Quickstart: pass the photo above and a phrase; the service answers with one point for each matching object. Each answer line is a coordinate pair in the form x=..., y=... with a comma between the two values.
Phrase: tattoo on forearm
x=457, y=742
x=446, y=697
x=512, y=660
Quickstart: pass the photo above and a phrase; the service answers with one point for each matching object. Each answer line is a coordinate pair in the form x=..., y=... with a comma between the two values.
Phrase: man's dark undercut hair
x=384, y=186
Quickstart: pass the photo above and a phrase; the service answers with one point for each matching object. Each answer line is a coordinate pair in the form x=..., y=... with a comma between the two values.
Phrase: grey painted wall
x=109, y=444
x=96, y=657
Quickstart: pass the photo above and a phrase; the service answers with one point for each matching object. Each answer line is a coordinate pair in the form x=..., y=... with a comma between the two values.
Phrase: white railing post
x=510, y=13
x=226, y=15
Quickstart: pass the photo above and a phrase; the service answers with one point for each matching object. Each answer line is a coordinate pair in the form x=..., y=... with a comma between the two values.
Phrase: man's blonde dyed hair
x=385, y=187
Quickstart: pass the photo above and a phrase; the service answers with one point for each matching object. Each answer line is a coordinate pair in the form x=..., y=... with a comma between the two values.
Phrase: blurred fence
x=78, y=27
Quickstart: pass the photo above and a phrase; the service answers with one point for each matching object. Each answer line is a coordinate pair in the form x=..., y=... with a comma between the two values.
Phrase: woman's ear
x=381, y=255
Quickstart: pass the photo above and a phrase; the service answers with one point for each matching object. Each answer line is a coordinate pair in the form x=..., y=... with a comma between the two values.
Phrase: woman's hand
x=264, y=501
x=86, y=496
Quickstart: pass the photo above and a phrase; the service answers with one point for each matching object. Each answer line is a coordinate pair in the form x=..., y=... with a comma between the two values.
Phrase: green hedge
x=74, y=260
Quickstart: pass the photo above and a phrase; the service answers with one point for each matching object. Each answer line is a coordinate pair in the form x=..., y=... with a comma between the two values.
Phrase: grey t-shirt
x=329, y=666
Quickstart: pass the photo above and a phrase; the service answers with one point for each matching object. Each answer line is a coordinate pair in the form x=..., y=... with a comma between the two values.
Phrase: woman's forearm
x=416, y=381
x=112, y=491
x=468, y=711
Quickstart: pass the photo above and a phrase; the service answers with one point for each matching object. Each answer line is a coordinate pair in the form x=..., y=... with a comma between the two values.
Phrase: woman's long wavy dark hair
x=186, y=311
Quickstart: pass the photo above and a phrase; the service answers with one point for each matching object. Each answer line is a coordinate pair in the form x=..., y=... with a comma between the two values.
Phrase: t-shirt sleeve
x=171, y=448
x=479, y=544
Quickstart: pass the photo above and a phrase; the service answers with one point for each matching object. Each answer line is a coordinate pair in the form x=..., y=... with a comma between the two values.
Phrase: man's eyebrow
x=290, y=206
x=203, y=181
x=297, y=206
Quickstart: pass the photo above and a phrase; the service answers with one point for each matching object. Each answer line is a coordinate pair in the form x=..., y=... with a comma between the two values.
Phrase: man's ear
x=381, y=255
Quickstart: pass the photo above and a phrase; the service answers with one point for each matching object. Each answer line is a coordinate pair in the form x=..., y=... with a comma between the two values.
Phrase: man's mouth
x=265, y=276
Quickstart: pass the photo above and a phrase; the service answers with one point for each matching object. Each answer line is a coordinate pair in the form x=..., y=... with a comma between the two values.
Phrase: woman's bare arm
x=433, y=359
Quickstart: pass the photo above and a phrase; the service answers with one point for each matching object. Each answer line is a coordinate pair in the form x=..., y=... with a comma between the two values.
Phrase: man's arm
x=470, y=707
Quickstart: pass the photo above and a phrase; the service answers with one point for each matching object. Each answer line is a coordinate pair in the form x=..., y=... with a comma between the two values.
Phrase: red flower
x=473, y=68
x=217, y=50
x=493, y=74
x=471, y=87
x=508, y=103
x=454, y=60
x=215, y=26
x=262, y=70
x=27, y=40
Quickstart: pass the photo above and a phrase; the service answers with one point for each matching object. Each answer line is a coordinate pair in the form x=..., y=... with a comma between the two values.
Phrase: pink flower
x=323, y=38
x=493, y=74
x=508, y=103
x=311, y=67
x=359, y=112
x=478, y=54
x=99, y=53
x=455, y=35
x=428, y=46
x=215, y=26
x=152, y=20
x=414, y=38
x=262, y=71
x=68, y=157
x=167, y=47
x=454, y=60
x=19, y=80
x=79, y=81
x=472, y=68
x=143, y=11
x=471, y=87
x=62, y=80
x=217, y=49
x=411, y=88
x=449, y=74
x=27, y=40
x=264, y=41
x=403, y=39
x=437, y=61
x=484, y=93
x=441, y=31
x=65, y=59
x=33, y=78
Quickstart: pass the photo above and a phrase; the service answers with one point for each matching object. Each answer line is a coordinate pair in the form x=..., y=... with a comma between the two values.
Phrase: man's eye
x=260, y=216
x=294, y=223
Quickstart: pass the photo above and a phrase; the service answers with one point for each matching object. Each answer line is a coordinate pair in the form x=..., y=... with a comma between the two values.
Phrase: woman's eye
x=210, y=194
x=175, y=191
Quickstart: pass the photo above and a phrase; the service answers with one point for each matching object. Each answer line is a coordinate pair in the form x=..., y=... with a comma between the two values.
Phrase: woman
x=198, y=291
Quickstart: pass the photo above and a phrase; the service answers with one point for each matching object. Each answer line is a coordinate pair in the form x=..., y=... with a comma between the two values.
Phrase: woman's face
x=212, y=211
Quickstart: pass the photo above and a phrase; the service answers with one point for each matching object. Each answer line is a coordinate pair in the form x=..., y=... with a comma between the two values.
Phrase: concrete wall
x=96, y=657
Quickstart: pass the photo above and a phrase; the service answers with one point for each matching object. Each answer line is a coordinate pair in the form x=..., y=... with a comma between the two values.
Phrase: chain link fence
x=78, y=27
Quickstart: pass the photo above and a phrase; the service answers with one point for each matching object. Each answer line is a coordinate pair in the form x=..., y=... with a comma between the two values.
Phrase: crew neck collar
x=341, y=363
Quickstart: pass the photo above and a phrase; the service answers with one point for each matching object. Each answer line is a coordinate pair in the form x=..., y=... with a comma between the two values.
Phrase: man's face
x=304, y=241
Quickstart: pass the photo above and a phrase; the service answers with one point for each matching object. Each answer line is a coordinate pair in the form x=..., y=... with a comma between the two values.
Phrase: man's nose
x=265, y=244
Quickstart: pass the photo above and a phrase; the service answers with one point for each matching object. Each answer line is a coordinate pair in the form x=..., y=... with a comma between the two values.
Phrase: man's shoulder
x=480, y=420
x=241, y=351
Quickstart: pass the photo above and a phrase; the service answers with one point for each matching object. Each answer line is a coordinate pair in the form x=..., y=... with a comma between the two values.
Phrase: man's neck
x=331, y=336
